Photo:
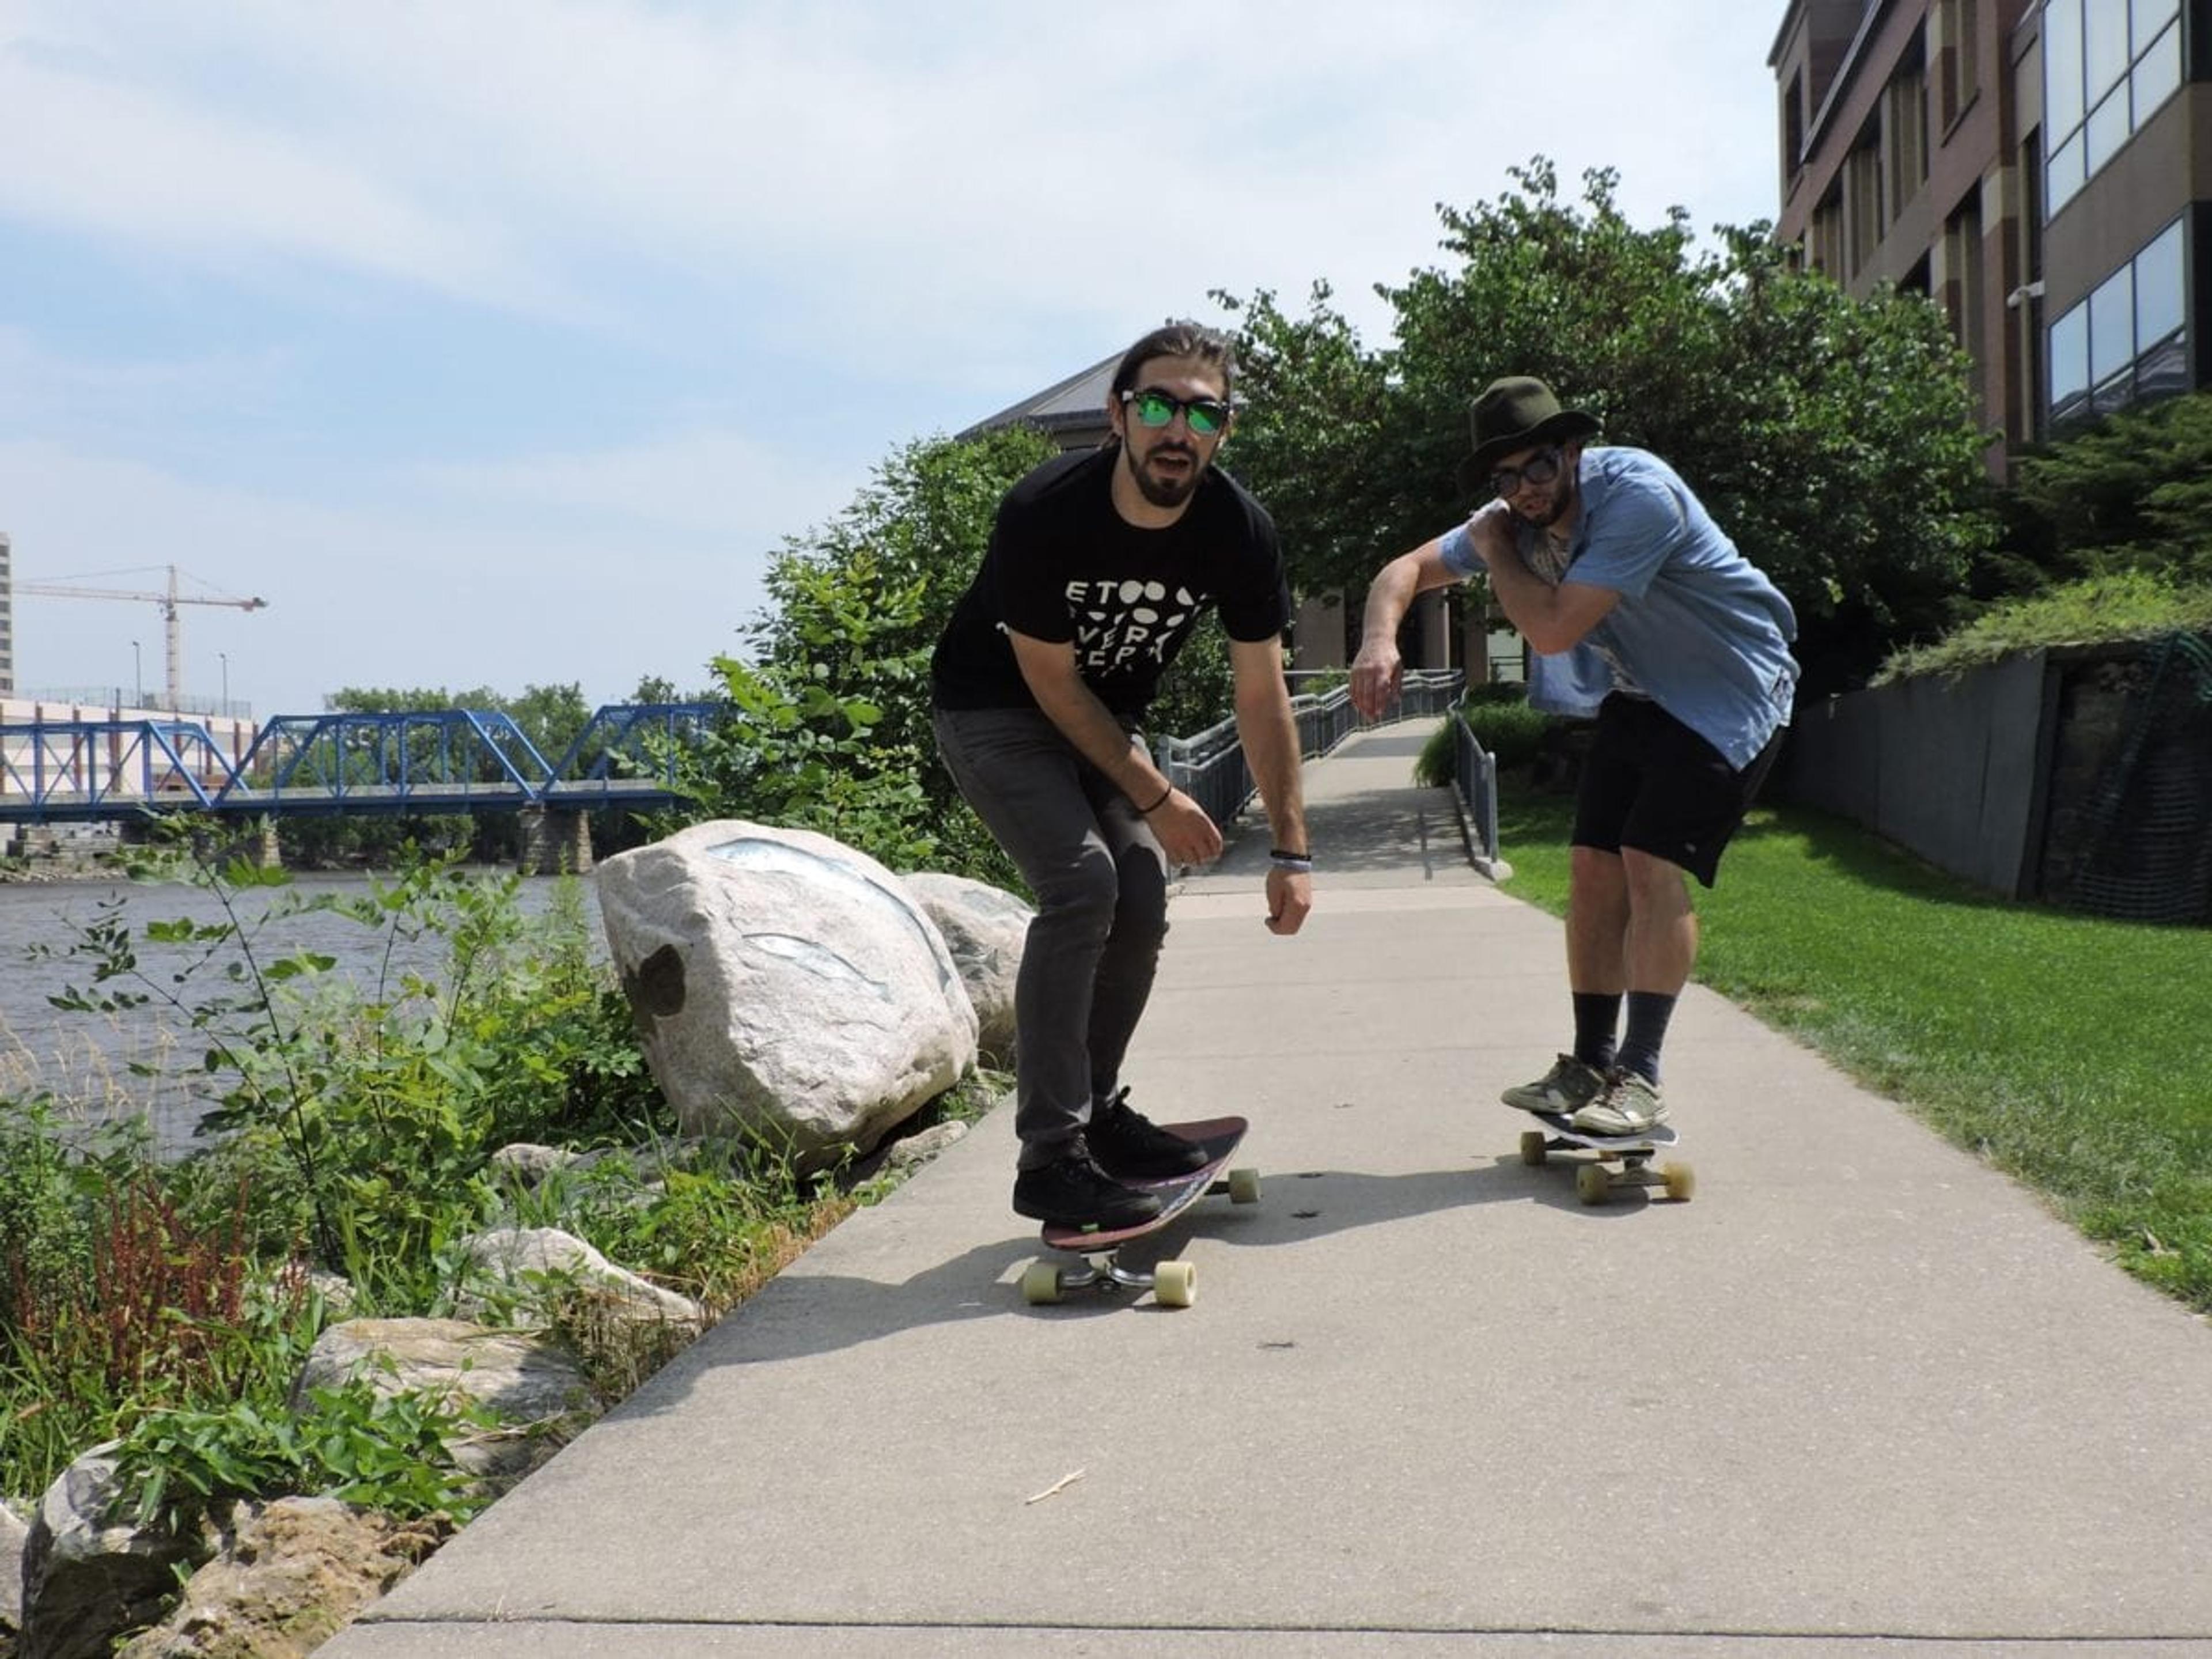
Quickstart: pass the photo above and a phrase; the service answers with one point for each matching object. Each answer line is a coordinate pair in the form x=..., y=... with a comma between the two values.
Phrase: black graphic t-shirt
x=1063, y=565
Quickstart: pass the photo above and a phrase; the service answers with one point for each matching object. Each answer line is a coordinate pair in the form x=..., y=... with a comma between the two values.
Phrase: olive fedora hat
x=1518, y=412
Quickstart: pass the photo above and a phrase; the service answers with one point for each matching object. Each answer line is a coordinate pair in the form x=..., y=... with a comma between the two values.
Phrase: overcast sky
x=499, y=342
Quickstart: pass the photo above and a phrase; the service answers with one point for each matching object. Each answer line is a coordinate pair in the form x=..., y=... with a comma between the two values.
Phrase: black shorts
x=1653, y=784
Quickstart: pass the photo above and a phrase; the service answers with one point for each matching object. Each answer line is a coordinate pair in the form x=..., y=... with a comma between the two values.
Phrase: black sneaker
x=1072, y=1191
x=1130, y=1147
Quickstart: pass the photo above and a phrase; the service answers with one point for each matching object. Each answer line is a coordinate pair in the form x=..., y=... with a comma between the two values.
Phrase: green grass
x=2073, y=1053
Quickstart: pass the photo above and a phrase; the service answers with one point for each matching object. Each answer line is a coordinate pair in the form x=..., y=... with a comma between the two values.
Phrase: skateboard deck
x=1173, y=1283
x=1594, y=1180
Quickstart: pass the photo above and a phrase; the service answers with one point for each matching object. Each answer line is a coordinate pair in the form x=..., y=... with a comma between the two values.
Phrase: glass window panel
x=2104, y=46
x=2067, y=173
x=2107, y=130
x=2148, y=17
x=2111, y=324
x=2160, y=302
x=2115, y=395
x=2163, y=371
x=2061, y=67
x=2070, y=355
x=2158, y=75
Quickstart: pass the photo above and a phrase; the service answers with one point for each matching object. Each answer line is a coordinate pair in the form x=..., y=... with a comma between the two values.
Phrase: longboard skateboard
x=1595, y=1182
x=1173, y=1283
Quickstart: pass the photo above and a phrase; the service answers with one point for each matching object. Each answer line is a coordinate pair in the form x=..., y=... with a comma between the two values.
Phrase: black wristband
x=1284, y=855
x=1146, y=812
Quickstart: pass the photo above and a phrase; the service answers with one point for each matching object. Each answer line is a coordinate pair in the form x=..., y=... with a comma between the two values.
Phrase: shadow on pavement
x=801, y=1313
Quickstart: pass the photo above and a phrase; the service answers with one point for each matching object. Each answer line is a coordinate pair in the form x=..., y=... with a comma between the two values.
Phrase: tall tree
x=832, y=727
x=1833, y=438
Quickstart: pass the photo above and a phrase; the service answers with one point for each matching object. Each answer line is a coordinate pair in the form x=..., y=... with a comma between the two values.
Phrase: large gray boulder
x=89, y=1573
x=985, y=927
x=288, y=1575
x=15, y=1533
x=541, y=1269
x=535, y=1388
x=785, y=986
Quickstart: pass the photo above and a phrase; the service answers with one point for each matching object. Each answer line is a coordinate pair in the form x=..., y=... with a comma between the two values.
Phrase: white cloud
x=904, y=172
x=497, y=342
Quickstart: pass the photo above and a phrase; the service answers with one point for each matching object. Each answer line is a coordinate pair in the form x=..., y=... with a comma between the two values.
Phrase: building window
x=1824, y=235
x=1863, y=218
x=2107, y=67
x=2129, y=340
x=1963, y=298
x=1959, y=46
x=1904, y=132
x=1793, y=125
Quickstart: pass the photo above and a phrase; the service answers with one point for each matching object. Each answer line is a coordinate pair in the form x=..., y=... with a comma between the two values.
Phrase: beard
x=1163, y=491
x=1550, y=511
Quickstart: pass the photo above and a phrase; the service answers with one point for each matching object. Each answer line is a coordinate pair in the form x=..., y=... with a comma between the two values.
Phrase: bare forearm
x=1088, y=724
x=1269, y=732
x=1389, y=596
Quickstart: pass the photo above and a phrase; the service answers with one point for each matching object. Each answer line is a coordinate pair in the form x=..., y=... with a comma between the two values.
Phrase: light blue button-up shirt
x=1698, y=629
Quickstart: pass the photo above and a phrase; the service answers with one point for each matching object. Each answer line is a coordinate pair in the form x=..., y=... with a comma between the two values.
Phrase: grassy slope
x=2074, y=1053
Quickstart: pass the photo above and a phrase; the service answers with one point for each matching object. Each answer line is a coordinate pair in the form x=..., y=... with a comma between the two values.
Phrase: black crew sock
x=1596, y=1014
x=1648, y=1014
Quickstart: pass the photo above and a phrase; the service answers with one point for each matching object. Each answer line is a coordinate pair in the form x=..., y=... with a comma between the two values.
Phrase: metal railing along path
x=1211, y=768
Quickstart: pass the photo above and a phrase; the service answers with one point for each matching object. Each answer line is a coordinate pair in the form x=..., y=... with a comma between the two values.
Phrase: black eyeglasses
x=1155, y=408
x=1543, y=466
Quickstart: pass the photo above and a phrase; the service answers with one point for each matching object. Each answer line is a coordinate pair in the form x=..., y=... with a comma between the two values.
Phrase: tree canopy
x=2132, y=493
x=1834, y=439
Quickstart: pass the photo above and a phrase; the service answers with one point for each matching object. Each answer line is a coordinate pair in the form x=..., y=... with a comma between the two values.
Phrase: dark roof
x=1074, y=405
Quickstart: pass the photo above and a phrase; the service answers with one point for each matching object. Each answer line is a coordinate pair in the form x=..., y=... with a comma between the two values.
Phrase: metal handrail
x=1211, y=769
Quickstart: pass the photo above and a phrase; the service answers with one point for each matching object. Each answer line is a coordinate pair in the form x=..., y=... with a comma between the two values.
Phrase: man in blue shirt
x=1642, y=613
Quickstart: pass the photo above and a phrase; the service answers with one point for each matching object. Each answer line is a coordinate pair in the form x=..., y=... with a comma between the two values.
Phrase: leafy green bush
x=1497, y=691
x=1511, y=733
x=2128, y=604
x=391, y=1453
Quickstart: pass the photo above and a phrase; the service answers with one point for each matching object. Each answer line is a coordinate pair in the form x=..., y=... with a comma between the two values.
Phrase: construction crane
x=169, y=602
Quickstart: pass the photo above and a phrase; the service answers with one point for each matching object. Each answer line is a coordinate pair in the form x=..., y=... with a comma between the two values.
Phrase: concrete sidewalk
x=1860, y=1395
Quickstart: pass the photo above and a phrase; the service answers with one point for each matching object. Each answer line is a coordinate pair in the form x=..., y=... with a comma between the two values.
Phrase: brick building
x=2041, y=168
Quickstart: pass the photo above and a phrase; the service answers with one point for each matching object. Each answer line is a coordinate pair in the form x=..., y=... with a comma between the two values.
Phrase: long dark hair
x=1178, y=339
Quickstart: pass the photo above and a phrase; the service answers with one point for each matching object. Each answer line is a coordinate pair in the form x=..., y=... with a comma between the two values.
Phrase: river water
x=85, y=1060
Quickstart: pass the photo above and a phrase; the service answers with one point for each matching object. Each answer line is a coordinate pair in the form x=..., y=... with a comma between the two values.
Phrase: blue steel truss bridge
x=421, y=762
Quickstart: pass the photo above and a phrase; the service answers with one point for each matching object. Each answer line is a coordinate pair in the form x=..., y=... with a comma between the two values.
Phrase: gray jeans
x=1100, y=882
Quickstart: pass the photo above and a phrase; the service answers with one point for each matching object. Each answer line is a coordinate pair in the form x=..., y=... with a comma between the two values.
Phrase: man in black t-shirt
x=1099, y=567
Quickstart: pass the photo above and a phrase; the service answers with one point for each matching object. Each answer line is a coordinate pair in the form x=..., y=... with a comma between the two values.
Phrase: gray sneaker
x=1629, y=1106
x=1565, y=1089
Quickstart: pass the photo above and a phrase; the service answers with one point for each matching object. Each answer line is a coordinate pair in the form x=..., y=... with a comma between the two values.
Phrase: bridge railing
x=106, y=768
x=631, y=752
x=418, y=760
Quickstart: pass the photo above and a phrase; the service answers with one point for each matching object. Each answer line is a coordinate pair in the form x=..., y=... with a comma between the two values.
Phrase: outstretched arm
x=1377, y=669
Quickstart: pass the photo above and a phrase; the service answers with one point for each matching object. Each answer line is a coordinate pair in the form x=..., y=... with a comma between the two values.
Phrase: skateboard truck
x=1593, y=1181
x=1173, y=1283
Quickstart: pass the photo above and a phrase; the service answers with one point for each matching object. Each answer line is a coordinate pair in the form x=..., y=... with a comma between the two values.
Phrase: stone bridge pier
x=555, y=843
